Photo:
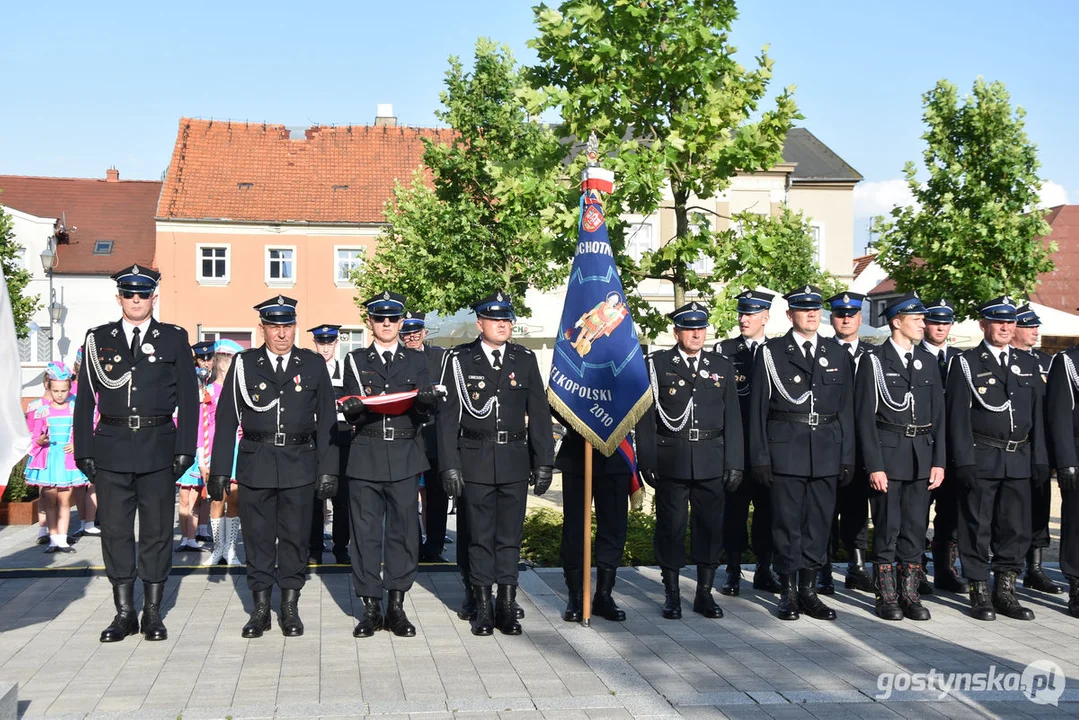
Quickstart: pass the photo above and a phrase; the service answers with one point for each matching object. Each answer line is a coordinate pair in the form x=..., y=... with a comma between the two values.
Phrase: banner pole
x=586, y=587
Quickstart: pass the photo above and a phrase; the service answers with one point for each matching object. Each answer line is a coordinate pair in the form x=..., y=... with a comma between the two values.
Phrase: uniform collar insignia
x=114, y=332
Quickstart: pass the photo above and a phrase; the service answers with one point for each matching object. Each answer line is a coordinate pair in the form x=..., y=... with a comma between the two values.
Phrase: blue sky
x=92, y=85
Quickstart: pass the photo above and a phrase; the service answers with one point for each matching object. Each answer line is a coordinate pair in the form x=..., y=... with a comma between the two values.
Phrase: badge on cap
x=499, y=297
x=846, y=299
x=135, y=269
x=386, y=295
x=808, y=290
x=280, y=299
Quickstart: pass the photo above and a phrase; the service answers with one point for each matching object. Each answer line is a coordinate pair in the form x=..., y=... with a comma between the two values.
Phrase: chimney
x=384, y=115
x=112, y=175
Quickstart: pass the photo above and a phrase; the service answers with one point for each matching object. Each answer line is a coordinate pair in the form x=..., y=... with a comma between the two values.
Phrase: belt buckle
x=279, y=439
x=502, y=437
x=1012, y=446
x=911, y=431
x=134, y=422
x=387, y=433
x=814, y=419
x=694, y=434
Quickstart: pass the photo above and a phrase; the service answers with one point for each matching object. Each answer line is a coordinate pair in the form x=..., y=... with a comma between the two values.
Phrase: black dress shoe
x=289, y=614
x=788, y=598
x=43, y=540
x=764, y=579
x=980, y=606
x=203, y=539
x=151, y=625
x=51, y=549
x=518, y=611
x=1035, y=578
x=126, y=621
x=732, y=582
x=482, y=621
x=603, y=604
x=372, y=620
x=505, y=617
x=825, y=583
x=1004, y=600
x=808, y=602
x=672, y=596
x=396, y=619
x=66, y=550
x=259, y=622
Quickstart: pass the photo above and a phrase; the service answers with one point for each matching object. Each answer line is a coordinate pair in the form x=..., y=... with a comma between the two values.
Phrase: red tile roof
x=121, y=211
x=253, y=172
x=861, y=263
x=1058, y=288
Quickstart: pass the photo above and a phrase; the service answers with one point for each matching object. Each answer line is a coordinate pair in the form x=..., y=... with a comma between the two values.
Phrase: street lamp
x=48, y=262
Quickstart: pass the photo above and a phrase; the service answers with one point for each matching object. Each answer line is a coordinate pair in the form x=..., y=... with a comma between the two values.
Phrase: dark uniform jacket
x=570, y=458
x=1044, y=361
x=737, y=351
x=1062, y=411
x=377, y=458
x=949, y=353
x=994, y=386
x=903, y=454
x=305, y=407
x=797, y=448
x=162, y=381
x=711, y=440
x=514, y=394
x=435, y=357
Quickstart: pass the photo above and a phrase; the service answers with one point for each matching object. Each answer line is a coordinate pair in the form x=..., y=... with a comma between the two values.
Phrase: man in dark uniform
x=137, y=373
x=436, y=503
x=690, y=449
x=850, y=523
x=1027, y=323
x=280, y=396
x=753, y=315
x=384, y=466
x=940, y=316
x=899, y=411
x=802, y=446
x=494, y=439
x=1063, y=435
x=997, y=443
x=326, y=338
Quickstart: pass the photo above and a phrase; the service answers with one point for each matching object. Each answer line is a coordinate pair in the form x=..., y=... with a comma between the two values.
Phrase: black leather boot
x=763, y=577
x=980, y=606
x=858, y=577
x=603, y=604
x=910, y=601
x=483, y=620
x=732, y=582
x=1004, y=600
x=1035, y=578
x=945, y=575
x=703, y=604
x=574, y=597
x=152, y=628
x=259, y=621
x=1073, y=597
x=505, y=616
x=825, y=583
x=672, y=603
x=396, y=619
x=924, y=586
x=808, y=601
x=126, y=620
x=372, y=620
x=887, y=603
x=788, y=597
x=288, y=617
x=468, y=606
x=518, y=611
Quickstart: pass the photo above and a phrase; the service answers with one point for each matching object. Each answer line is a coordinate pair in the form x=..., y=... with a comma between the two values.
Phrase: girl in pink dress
x=224, y=515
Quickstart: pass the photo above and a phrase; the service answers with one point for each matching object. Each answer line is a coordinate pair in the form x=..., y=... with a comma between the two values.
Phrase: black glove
x=732, y=480
x=846, y=474
x=541, y=478
x=427, y=398
x=217, y=486
x=966, y=475
x=1068, y=478
x=1040, y=476
x=353, y=409
x=648, y=477
x=87, y=467
x=180, y=464
x=453, y=482
x=325, y=487
x=762, y=474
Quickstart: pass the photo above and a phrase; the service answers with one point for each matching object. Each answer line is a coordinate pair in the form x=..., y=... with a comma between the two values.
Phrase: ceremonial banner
x=599, y=383
x=14, y=435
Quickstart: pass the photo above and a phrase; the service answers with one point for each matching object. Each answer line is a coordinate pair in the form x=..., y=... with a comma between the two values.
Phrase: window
x=347, y=260
x=241, y=337
x=44, y=346
x=638, y=240
x=816, y=231
x=103, y=247
x=281, y=266
x=351, y=339
x=704, y=264
x=212, y=264
x=26, y=348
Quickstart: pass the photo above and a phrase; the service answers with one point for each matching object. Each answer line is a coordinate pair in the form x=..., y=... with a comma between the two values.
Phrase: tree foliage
x=23, y=306
x=972, y=233
x=674, y=110
x=473, y=220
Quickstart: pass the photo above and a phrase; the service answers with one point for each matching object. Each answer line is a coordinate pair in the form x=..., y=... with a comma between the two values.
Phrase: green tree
x=674, y=110
x=972, y=233
x=762, y=250
x=473, y=220
x=23, y=306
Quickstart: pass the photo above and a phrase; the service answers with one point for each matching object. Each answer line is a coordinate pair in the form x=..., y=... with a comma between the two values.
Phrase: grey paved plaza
x=748, y=664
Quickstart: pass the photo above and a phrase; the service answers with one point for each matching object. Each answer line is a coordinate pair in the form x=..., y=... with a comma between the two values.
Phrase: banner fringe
x=610, y=446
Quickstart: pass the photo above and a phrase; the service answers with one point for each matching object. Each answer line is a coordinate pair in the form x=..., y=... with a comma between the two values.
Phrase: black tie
x=692, y=362
x=809, y=351
x=942, y=359
x=850, y=349
x=280, y=366
x=907, y=358
x=496, y=359
x=1004, y=360
x=753, y=348
x=135, y=344
x=387, y=357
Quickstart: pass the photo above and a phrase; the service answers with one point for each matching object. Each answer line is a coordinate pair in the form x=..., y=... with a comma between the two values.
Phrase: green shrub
x=17, y=490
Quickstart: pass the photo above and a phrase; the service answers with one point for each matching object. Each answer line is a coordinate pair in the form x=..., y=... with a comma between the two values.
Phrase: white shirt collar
x=129, y=329
x=900, y=351
x=995, y=352
x=686, y=357
x=273, y=357
x=935, y=349
x=800, y=342
x=489, y=352
x=392, y=348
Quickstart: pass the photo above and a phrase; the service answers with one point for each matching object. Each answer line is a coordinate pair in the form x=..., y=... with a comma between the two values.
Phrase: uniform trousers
x=945, y=500
x=802, y=510
x=899, y=521
x=496, y=516
x=1069, y=533
x=736, y=538
x=119, y=496
x=995, y=531
x=850, y=522
x=611, y=496
x=341, y=526
x=701, y=503
x=436, y=505
x=385, y=534
x=1041, y=498
x=276, y=524
x=464, y=537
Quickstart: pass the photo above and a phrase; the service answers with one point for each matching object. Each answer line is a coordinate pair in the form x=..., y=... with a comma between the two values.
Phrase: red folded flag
x=389, y=404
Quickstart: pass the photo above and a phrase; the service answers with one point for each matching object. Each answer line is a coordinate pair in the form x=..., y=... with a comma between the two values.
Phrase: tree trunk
x=681, y=225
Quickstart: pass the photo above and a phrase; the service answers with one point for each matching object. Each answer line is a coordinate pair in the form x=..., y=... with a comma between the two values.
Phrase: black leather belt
x=693, y=434
x=136, y=421
x=499, y=437
x=811, y=419
x=387, y=433
x=279, y=439
x=1005, y=445
x=905, y=430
